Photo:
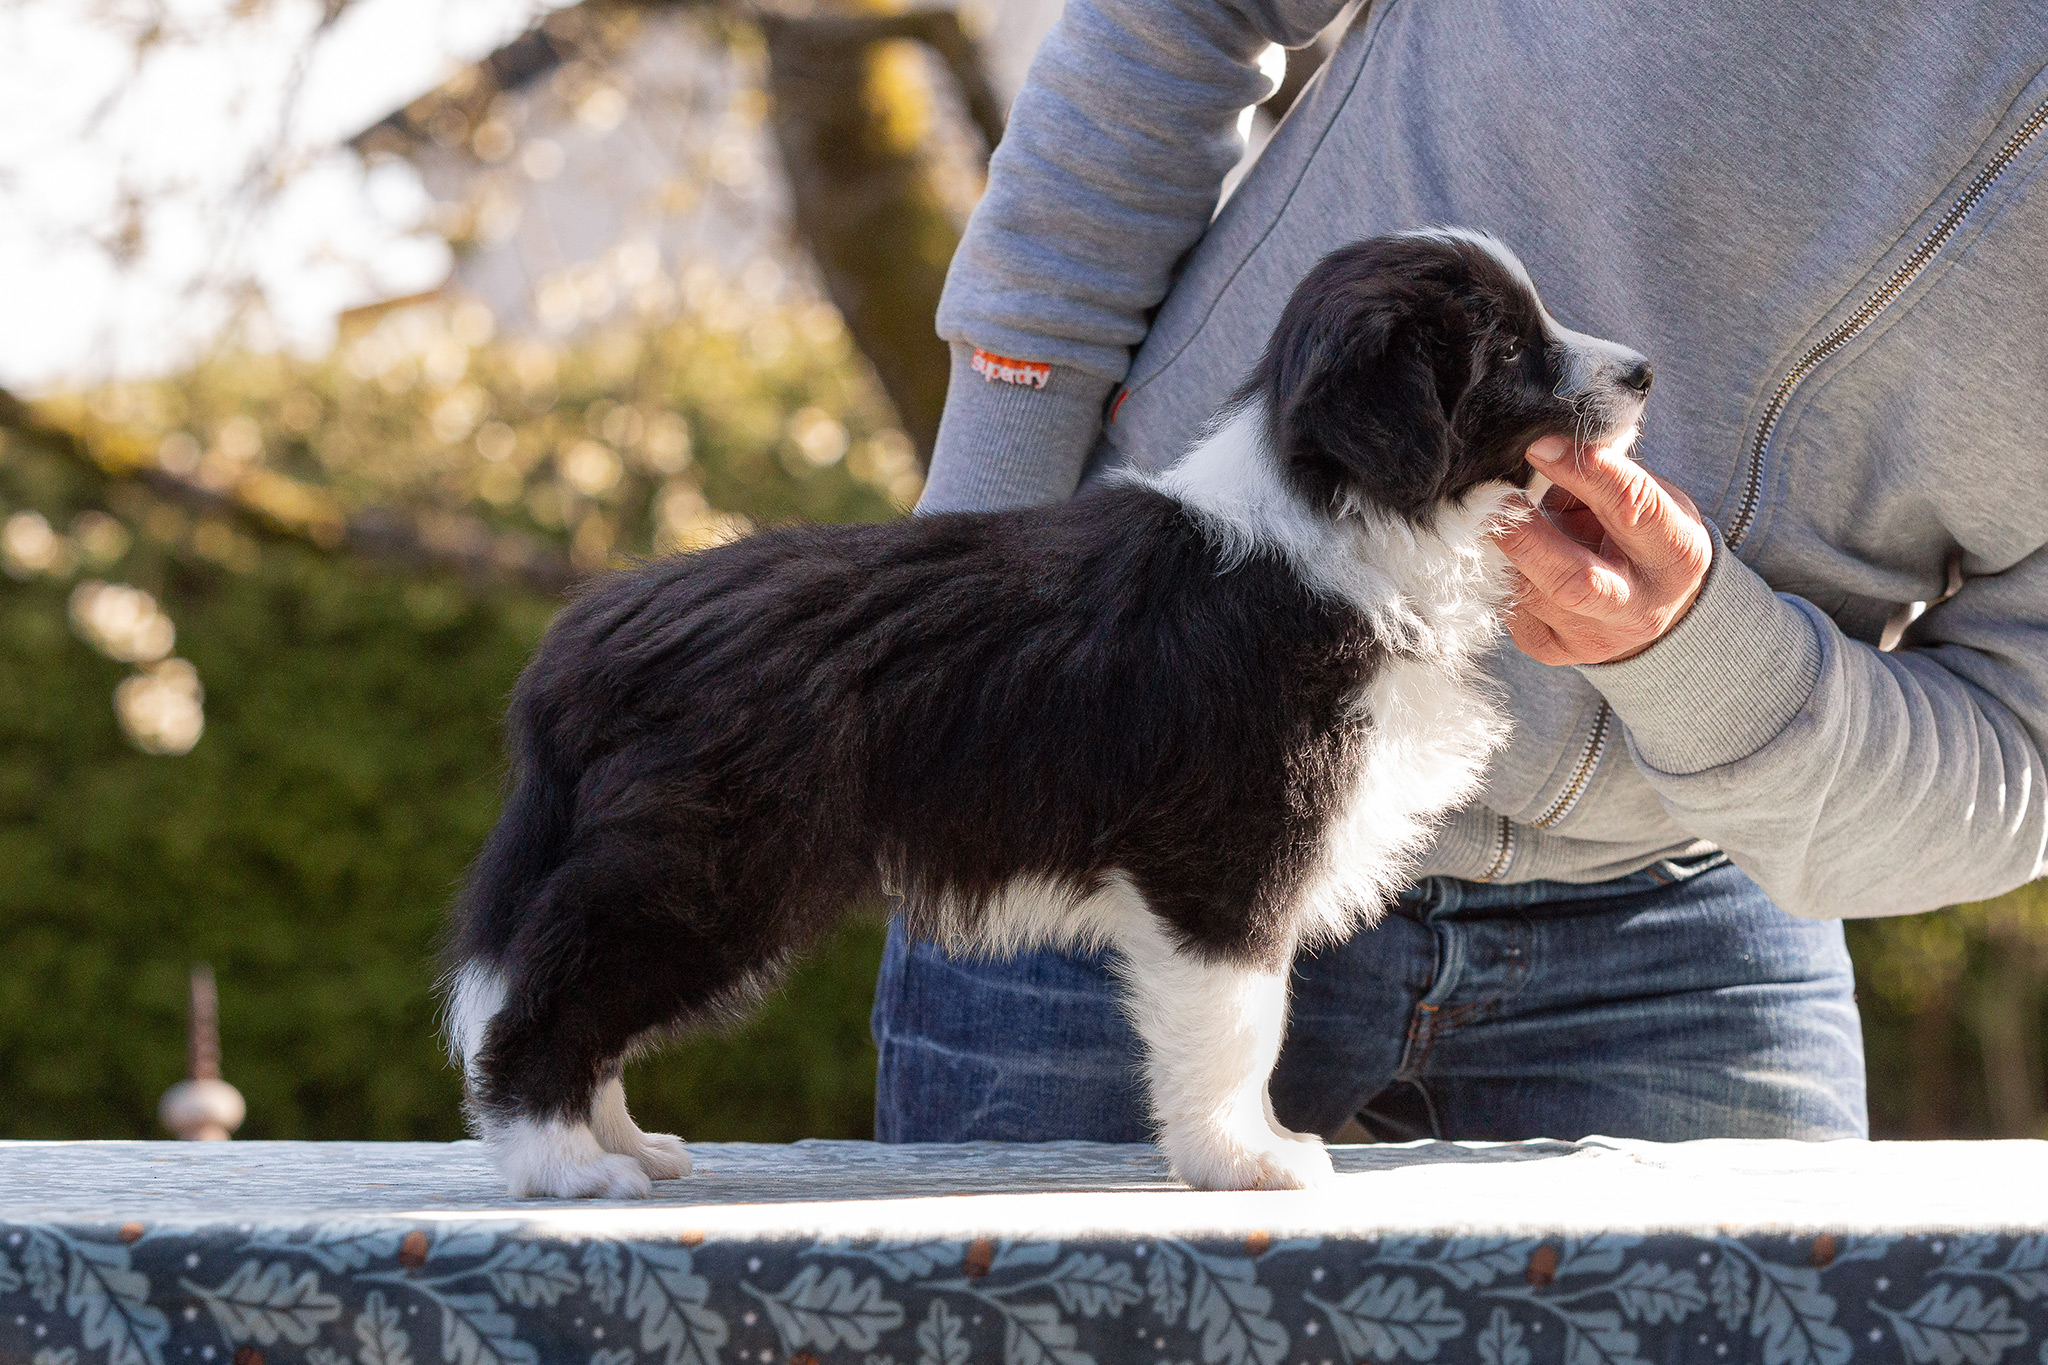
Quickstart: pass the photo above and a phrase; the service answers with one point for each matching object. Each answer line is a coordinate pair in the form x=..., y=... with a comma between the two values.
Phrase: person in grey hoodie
x=1827, y=694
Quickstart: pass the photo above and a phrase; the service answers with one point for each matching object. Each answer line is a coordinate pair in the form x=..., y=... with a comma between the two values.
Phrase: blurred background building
x=568, y=167
x=343, y=336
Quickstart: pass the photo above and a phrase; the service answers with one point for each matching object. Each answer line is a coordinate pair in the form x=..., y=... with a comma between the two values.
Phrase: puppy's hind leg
x=554, y=1158
x=1212, y=1032
x=660, y=1155
x=539, y=1156
x=626, y=941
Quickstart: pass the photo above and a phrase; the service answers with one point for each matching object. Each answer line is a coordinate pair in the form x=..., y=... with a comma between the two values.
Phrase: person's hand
x=1610, y=563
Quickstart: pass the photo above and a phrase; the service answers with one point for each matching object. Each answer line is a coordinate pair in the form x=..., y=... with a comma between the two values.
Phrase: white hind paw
x=554, y=1160
x=608, y=1177
x=661, y=1155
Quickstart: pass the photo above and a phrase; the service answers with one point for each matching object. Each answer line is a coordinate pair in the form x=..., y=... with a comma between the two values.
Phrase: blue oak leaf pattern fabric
x=446, y=1291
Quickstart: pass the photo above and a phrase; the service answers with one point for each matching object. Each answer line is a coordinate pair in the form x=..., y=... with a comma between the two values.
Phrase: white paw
x=604, y=1177
x=661, y=1155
x=1220, y=1161
x=550, y=1159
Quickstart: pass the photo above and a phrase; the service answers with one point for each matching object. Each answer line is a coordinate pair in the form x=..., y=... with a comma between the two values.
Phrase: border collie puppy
x=1204, y=718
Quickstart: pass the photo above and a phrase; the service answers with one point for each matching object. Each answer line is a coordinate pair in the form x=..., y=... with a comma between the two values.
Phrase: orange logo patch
x=1001, y=369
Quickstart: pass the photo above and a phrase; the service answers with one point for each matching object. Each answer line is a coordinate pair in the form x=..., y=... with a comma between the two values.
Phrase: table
x=1599, y=1252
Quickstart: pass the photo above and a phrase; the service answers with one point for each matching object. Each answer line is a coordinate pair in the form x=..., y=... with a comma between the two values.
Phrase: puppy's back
x=954, y=698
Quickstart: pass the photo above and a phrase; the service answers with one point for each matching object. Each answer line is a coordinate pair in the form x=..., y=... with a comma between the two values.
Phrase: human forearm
x=1848, y=782
x=1107, y=174
x=1008, y=445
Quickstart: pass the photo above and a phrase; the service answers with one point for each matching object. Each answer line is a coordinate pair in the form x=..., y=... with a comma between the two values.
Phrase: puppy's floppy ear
x=1356, y=404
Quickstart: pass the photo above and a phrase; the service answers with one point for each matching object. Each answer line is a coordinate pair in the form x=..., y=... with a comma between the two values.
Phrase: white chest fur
x=1433, y=597
x=1430, y=733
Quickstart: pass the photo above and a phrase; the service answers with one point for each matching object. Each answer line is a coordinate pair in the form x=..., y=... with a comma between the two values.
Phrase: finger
x=1579, y=640
x=1645, y=521
x=1563, y=570
x=1679, y=496
x=1566, y=624
x=1582, y=640
x=1537, y=640
x=1581, y=525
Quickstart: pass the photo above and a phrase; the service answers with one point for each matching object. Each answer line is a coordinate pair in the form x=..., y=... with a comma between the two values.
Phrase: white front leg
x=1212, y=1032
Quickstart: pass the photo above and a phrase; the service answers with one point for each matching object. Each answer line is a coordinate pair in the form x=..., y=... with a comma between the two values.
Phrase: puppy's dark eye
x=1510, y=353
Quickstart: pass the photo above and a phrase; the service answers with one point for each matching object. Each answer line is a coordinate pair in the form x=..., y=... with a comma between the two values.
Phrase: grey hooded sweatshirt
x=1826, y=223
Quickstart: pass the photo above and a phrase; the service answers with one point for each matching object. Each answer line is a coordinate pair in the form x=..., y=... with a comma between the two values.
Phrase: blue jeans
x=1676, y=1002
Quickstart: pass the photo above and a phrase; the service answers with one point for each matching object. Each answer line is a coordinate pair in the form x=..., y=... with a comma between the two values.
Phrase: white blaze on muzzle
x=1587, y=359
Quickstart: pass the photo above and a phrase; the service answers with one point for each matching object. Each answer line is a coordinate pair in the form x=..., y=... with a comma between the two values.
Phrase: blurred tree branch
x=275, y=506
x=938, y=29
x=864, y=202
x=854, y=132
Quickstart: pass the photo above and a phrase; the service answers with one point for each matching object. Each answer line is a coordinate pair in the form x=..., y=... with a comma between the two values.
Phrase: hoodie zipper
x=1503, y=850
x=1739, y=527
x=1561, y=805
x=1868, y=311
x=1753, y=481
x=1582, y=771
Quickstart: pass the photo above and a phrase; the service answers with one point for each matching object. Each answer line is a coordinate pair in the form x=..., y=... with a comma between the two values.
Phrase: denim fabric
x=1673, y=1003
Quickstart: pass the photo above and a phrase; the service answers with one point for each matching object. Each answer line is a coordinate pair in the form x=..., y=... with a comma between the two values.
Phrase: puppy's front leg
x=1212, y=1032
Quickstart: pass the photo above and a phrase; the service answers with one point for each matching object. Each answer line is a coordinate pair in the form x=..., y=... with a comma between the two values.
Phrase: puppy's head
x=1407, y=371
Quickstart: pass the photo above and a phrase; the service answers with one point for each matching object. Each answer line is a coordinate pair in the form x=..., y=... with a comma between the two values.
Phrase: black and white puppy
x=1204, y=718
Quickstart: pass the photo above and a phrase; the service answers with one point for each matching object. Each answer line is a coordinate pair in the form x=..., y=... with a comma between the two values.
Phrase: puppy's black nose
x=1639, y=376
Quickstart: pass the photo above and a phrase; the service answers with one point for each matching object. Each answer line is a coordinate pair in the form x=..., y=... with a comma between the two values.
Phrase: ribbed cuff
x=1007, y=445
x=1727, y=679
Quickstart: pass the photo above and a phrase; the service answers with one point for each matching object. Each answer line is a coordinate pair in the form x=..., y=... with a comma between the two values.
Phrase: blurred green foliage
x=1955, y=1014
x=308, y=845
x=306, y=848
